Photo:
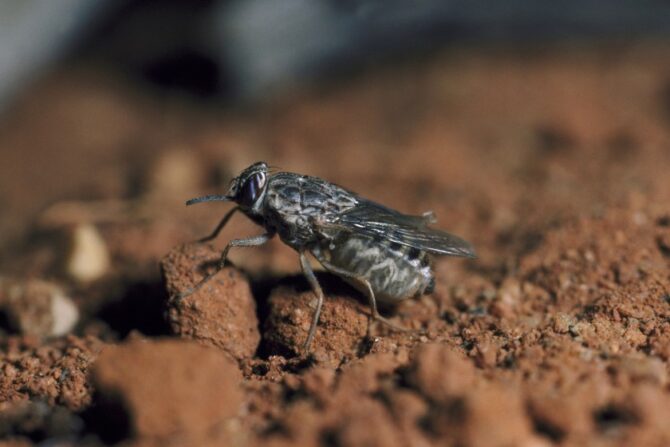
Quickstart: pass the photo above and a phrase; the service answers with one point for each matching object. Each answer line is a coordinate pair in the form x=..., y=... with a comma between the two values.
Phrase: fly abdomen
x=394, y=271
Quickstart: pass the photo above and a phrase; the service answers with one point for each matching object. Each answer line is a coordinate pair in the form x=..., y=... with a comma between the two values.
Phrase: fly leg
x=311, y=278
x=247, y=242
x=220, y=226
x=375, y=315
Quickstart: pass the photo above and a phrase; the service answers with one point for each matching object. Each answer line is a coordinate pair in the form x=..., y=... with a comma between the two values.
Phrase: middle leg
x=311, y=278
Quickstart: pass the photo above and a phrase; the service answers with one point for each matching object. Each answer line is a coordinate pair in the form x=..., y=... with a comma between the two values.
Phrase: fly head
x=247, y=189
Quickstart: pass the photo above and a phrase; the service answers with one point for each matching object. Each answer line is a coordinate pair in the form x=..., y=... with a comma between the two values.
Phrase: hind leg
x=372, y=300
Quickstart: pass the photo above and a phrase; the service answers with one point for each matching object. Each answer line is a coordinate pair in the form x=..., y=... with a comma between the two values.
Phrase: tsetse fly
x=380, y=251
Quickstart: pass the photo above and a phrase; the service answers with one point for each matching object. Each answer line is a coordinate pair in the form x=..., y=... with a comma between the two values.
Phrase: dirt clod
x=440, y=372
x=167, y=387
x=341, y=330
x=222, y=313
x=56, y=372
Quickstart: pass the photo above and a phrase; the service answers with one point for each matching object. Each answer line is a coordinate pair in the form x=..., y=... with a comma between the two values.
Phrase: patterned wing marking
x=377, y=221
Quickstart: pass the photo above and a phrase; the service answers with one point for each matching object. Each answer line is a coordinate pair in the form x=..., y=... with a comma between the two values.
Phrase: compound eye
x=251, y=189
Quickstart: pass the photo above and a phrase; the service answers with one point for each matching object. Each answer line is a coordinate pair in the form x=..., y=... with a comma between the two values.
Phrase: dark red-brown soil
x=554, y=163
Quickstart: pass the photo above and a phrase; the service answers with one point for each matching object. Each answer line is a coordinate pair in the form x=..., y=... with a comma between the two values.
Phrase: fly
x=382, y=252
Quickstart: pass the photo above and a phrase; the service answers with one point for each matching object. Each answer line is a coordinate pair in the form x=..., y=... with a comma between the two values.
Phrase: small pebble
x=38, y=308
x=89, y=257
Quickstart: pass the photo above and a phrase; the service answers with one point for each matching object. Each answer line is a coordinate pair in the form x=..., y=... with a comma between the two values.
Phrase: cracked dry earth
x=554, y=164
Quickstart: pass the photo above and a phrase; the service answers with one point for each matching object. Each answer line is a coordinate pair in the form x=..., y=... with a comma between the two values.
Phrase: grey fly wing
x=377, y=221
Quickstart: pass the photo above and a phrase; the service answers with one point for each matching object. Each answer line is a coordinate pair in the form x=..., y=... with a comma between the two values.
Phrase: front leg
x=254, y=241
x=220, y=226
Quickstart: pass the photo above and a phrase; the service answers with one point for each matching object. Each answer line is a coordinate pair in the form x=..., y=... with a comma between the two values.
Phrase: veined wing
x=372, y=219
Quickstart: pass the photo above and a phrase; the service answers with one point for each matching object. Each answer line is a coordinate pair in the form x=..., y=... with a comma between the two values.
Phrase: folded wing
x=374, y=220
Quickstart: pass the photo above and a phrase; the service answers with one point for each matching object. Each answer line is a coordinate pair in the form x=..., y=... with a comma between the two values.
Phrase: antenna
x=209, y=198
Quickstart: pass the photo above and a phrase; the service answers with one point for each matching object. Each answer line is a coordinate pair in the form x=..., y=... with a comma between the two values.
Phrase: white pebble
x=89, y=257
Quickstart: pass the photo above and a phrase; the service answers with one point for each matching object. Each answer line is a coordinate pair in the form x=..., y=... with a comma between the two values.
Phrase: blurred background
x=118, y=111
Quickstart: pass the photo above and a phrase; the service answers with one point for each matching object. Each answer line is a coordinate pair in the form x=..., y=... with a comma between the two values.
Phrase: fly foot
x=388, y=323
